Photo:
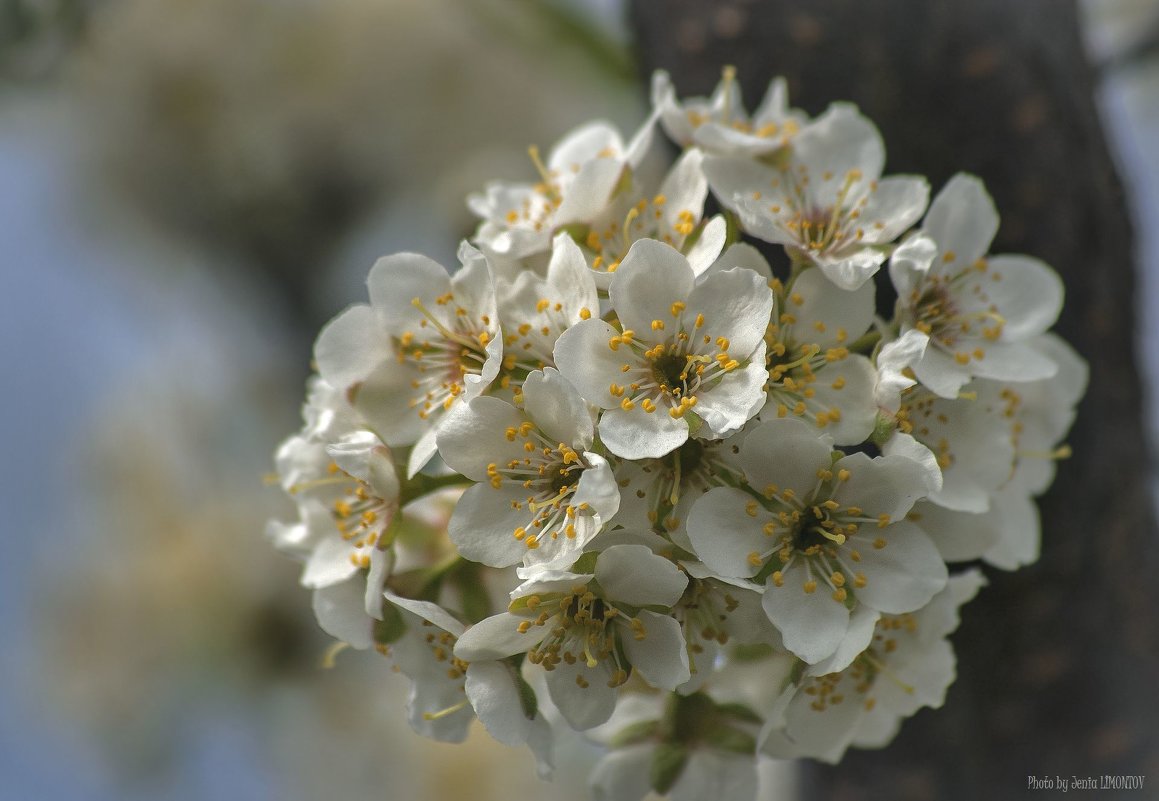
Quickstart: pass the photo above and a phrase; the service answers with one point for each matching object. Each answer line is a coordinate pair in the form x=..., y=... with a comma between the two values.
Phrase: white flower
x=347, y=492
x=894, y=369
x=588, y=642
x=720, y=125
x=581, y=175
x=812, y=373
x=447, y=693
x=684, y=346
x=826, y=535
x=715, y=613
x=534, y=310
x=1032, y=417
x=658, y=493
x=908, y=664
x=978, y=310
x=826, y=201
x=970, y=438
x=426, y=342
x=684, y=748
x=671, y=214
x=543, y=494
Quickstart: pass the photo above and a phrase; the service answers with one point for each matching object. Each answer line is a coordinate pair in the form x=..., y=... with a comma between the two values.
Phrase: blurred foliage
x=37, y=35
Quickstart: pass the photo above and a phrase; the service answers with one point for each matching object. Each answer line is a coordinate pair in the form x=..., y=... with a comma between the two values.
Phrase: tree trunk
x=1059, y=663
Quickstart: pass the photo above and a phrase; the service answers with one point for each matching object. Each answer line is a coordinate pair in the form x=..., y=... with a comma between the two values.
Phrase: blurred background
x=188, y=190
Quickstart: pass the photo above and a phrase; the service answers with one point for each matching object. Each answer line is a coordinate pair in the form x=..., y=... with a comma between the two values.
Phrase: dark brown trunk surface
x=1058, y=663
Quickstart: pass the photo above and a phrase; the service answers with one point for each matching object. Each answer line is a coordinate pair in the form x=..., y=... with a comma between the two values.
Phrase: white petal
x=823, y=735
x=351, y=346
x=811, y=624
x=850, y=269
x=786, y=453
x=555, y=406
x=838, y=141
x=583, y=144
x=484, y=522
x=632, y=574
x=862, y=623
x=1015, y=518
x=847, y=386
x=587, y=706
x=623, y=775
x=598, y=489
x=825, y=312
x=742, y=254
x=329, y=563
x=910, y=264
x=717, y=775
x=492, y=691
x=896, y=203
x=724, y=534
x=730, y=176
x=892, y=359
x=340, y=611
x=428, y=611
x=962, y=219
x=705, y=251
x=568, y=274
x=958, y=536
x=904, y=445
x=661, y=656
x=585, y=359
x=421, y=453
x=496, y=637
x=938, y=371
x=738, y=398
x=1012, y=361
x=636, y=434
x=736, y=304
x=383, y=400
x=395, y=281
x=905, y=574
x=589, y=193
x=648, y=281
x=886, y=485
x=472, y=436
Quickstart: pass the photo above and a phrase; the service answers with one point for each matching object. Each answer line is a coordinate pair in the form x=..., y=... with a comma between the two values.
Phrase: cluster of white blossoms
x=616, y=472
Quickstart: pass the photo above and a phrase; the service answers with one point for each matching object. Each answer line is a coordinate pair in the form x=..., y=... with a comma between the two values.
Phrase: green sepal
x=473, y=595
x=694, y=422
x=586, y=564
x=668, y=763
x=391, y=627
x=739, y=712
x=882, y=430
x=636, y=733
x=751, y=652
x=527, y=699
x=726, y=738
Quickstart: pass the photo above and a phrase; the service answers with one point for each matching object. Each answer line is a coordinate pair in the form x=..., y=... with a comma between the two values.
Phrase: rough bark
x=1058, y=663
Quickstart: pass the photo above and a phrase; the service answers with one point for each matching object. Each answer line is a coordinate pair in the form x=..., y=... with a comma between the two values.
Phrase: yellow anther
x=677, y=307
x=810, y=587
x=627, y=405
x=657, y=325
